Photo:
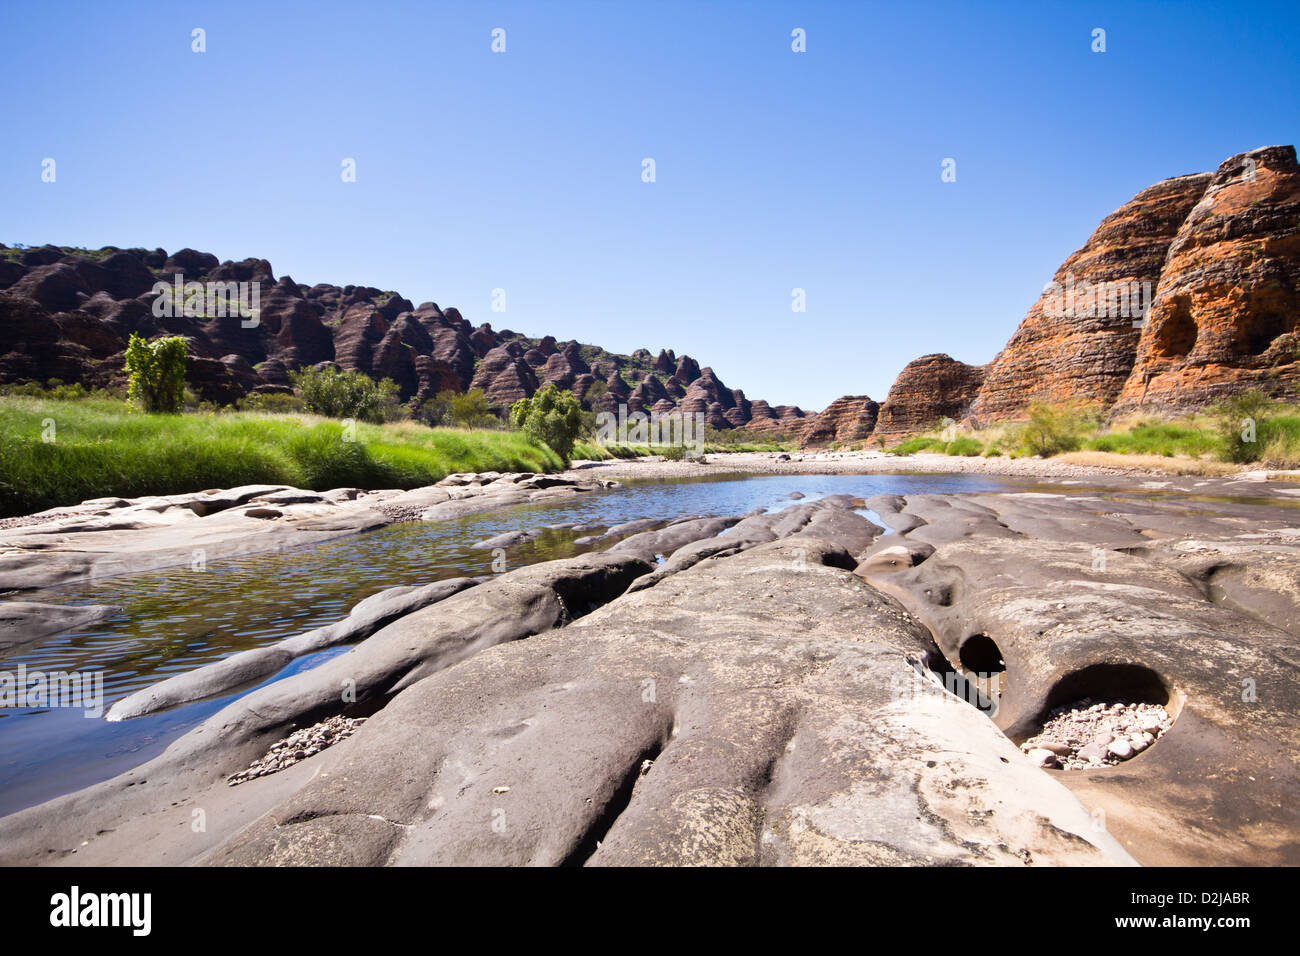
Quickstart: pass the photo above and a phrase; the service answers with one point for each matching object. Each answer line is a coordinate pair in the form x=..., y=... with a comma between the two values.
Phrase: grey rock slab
x=130, y=818
x=1071, y=627
x=22, y=622
x=742, y=712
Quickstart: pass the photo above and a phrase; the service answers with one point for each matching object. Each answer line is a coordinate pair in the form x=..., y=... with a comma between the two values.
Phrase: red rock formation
x=1227, y=313
x=66, y=316
x=1064, y=350
x=1220, y=253
x=847, y=419
x=504, y=377
x=928, y=390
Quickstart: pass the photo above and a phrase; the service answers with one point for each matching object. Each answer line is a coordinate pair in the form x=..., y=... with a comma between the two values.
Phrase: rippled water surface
x=177, y=619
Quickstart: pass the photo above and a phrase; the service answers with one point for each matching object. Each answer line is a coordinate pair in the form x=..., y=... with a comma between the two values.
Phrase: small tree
x=157, y=373
x=436, y=410
x=471, y=410
x=338, y=394
x=552, y=417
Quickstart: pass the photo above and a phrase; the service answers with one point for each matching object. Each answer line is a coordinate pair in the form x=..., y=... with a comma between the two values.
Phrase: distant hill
x=66, y=313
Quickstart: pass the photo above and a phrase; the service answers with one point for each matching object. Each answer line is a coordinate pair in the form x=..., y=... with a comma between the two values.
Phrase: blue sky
x=522, y=170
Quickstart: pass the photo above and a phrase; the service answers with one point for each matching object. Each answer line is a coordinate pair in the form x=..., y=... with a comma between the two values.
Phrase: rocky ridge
x=67, y=314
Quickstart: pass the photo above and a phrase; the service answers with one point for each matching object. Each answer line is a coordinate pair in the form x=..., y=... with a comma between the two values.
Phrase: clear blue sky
x=522, y=170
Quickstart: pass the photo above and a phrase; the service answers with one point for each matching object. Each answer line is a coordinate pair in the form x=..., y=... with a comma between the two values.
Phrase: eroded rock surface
x=1111, y=598
x=760, y=704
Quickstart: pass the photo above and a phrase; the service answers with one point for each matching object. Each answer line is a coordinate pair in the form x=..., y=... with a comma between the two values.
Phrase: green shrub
x=1053, y=430
x=672, y=452
x=551, y=417
x=471, y=410
x=338, y=394
x=156, y=373
x=912, y=445
x=964, y=446
x=1240, y=421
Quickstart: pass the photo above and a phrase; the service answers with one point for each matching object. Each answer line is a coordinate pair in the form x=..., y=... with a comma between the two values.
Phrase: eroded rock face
x=1227, y=313
x=927, y=391
x=504, y=377
x=847, y=419
x=1185, y=294
x=1068, y=598
x=1081, y=355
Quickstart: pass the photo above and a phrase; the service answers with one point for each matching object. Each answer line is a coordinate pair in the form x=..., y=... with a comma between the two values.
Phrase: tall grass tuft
x=56, y=453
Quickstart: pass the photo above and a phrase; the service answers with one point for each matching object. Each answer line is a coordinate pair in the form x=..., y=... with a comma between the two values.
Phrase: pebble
x=299, y=745
x=1097, y=733
x=1042, y=757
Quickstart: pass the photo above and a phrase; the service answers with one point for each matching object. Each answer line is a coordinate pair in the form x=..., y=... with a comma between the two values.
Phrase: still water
x=178, y=619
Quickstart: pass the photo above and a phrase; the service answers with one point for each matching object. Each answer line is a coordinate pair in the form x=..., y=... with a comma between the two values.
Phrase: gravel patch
x=24, y=521
x=299, y=745
x=1086, y=735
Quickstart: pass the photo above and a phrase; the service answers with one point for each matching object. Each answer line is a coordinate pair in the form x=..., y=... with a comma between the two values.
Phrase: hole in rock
x=980, y=690
x=1259, y=330
x=981, y=655
x=1098, y=717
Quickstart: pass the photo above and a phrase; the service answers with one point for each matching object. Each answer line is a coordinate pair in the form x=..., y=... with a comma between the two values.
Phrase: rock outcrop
x=1051, y=599
x=1227, y=313
x=1185, y=294
x=927, y=391
x=1070, y=347
x=756, y=703
x=67, y=314
x=847, y=419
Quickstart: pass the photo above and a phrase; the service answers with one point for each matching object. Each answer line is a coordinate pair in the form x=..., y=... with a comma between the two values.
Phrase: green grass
x=1215, y=433
x=915, y=444
x=102, y=448
x=1159, y=438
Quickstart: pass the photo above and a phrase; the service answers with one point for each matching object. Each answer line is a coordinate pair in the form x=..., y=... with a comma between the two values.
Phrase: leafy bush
x=672, y=452
x=1053, y=430
x=552, y=417
x=1240, y=422
x=471, y=410
x=157, y=373
x=338, y=394
x=435, y=411
x=458, y=410
x=964, y=446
